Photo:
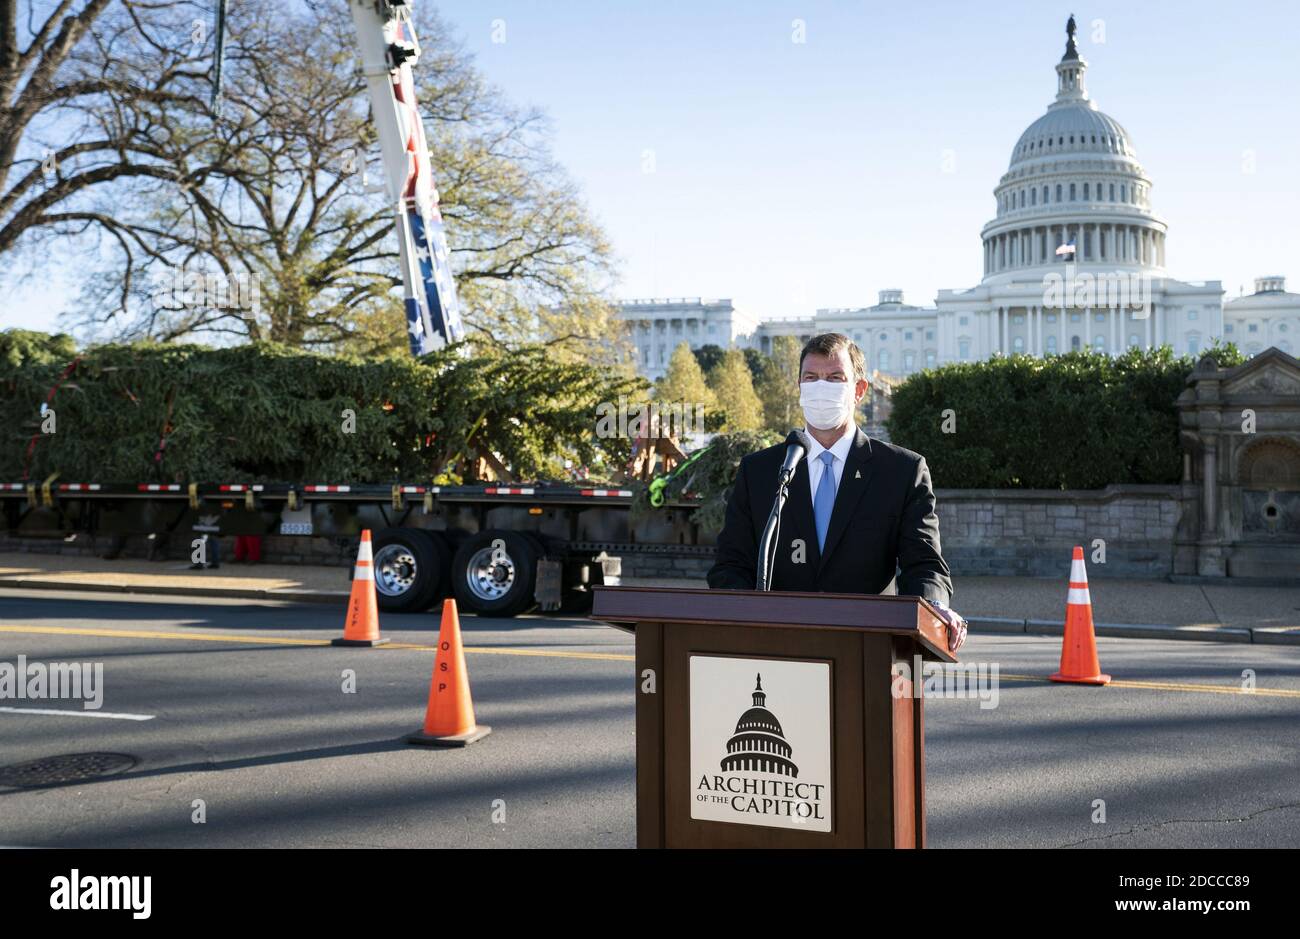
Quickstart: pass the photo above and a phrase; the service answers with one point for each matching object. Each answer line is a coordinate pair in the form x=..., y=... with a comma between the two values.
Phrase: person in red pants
x=248, y=548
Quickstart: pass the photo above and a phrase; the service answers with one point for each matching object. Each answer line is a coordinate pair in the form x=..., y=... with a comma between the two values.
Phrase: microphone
x=796, y=445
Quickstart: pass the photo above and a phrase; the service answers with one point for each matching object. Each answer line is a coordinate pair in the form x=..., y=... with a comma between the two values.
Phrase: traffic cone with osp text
x=1079, y=648
x=449, y=718
x=361, y=628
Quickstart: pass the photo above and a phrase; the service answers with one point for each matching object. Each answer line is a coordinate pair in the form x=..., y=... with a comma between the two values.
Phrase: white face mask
x=826, y=404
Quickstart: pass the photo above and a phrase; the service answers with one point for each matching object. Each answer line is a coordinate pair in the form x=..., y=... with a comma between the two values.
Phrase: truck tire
x=494, y=573
x=410, y=569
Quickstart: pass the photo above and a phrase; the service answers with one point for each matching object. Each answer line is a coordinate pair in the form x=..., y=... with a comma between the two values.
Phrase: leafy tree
x=150, y=180
x=778, y=386
x=264, y=412
x=684, y=381
x=709, y=356
x=734, y=390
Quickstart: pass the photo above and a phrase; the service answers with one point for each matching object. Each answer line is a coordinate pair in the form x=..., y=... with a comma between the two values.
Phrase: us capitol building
x=1074, y=259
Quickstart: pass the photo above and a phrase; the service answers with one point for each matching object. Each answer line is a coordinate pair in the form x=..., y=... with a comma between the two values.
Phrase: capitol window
x=1033, y=197
x=1099, y=343
x=1112, y=192
x=1045, y=191
x=1018, y=344
x=1086, y=191
x=1076, y=317
x=961, y=321
x=1227, y=328
x=883, y=360
x=963, y=348
x=1051, y=317
x=1281, y=327
x=1252, y=328
x=1058, y=192
x=1051, y=345
x=929, y=334
x=1133, y=342
x=1018, y=318
x=1193, y=345
x=929, y=360
x=1075, y=344
x=1191, y=314
x=909, y=361
x=884, y=337
x=1123, y=193
x=907, y=334
x=1099, y=317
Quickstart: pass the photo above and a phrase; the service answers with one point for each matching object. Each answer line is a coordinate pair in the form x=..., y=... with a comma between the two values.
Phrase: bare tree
x=270, y=193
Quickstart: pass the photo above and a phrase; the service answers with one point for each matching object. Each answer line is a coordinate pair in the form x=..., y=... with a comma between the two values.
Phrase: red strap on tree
x=49, y=399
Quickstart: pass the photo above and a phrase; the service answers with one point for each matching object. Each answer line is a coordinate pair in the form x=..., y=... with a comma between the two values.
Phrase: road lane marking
x=1172, y=686
x=156, y=634
x=67, y=713
x=549, y=653
x=273, y=641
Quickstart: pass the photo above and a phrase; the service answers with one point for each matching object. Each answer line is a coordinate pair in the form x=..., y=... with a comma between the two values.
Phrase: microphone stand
x=772, y=533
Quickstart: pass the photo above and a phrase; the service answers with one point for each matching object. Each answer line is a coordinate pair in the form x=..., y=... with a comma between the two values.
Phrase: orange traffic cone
x=449, y=719
x=1079, y=650
x=362, y=625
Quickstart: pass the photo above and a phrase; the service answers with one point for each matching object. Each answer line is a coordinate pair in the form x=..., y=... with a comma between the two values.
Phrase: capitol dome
x=759, y=744
x=1074, y=183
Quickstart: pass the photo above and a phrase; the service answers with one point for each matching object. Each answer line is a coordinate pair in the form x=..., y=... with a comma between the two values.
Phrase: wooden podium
x=777, y=720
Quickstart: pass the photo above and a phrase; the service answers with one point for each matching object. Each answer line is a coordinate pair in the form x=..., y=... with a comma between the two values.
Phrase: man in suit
x=860, y=515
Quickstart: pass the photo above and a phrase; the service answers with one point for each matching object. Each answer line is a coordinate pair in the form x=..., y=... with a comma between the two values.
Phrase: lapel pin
x=857, y=474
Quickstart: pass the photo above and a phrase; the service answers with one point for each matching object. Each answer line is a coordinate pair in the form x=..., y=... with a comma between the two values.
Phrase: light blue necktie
x=824, y=500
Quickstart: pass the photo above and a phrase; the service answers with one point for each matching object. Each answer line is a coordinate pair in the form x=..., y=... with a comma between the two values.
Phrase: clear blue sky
x=791, y=177
x=795, y=176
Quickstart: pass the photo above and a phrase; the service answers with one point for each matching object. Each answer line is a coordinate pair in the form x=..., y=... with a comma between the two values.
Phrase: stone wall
x=1032, y=532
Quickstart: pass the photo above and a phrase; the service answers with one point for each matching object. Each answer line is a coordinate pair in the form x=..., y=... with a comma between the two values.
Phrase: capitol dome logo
x=746, y=772
x=759, y=743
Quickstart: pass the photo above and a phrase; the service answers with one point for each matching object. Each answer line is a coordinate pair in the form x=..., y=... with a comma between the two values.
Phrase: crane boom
x=389, y=47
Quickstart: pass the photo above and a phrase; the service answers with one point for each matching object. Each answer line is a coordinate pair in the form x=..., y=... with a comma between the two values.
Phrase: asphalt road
x=247, y=713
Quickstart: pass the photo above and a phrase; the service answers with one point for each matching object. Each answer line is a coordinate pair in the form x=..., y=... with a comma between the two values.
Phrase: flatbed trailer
x=500, y=549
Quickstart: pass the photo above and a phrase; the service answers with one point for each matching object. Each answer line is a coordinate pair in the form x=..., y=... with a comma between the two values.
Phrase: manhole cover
x=66, y=768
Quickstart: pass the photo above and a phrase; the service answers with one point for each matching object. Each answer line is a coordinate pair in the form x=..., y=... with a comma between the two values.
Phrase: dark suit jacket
x=883, y=523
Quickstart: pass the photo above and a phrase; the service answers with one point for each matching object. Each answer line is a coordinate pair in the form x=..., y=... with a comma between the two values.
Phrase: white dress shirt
x=839, y=449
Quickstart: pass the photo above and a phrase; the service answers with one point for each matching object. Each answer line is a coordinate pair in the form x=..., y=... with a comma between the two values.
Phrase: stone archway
x=1271, y=463
x=1268, y=473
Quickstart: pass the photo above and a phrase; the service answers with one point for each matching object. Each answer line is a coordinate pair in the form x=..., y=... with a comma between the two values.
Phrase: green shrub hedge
x=1082, y=420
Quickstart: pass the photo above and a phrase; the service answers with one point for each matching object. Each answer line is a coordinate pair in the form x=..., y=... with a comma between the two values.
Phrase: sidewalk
x=132, y=575
x=1127, y=608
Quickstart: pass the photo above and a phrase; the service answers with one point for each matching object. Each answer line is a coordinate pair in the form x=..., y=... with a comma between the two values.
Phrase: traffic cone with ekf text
x=361, y=628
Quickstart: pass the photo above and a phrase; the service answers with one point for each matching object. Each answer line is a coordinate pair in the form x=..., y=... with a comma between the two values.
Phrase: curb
x=168, y=590
x=1270, y=635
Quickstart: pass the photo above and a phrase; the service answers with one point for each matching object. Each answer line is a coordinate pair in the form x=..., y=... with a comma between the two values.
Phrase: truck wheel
x=409, y=569
x=494, y=573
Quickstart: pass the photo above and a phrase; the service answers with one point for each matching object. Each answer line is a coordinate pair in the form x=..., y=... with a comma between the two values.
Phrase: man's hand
x=956, y=626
